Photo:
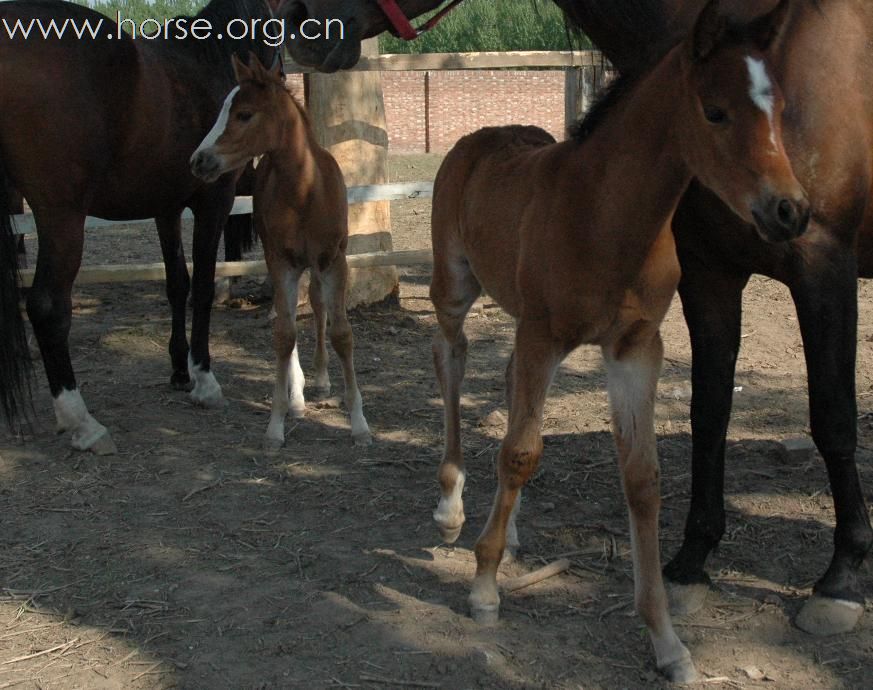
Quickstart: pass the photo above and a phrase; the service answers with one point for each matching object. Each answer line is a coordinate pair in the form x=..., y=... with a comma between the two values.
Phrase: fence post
x=348, y=114
x=581, y=86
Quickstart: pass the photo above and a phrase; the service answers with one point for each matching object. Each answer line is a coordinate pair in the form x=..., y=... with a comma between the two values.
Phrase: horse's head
x=328, y=33
x=730, y=122
x=250, y=122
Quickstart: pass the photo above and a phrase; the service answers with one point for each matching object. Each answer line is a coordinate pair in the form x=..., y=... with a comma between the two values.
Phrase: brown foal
x=573, y=239
x=301, y=215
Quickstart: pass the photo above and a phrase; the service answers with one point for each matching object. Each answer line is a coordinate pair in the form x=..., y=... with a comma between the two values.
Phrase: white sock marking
x=72, y=414
x=207, y=390
x=761, y=91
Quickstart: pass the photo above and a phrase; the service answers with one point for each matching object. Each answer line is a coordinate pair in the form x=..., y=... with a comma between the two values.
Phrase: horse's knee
x=341, y=337
x=48, y=314
x=517, y=464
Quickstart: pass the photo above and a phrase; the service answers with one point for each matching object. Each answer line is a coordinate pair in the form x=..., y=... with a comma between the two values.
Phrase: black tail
x=15, y=365
x=239, y=232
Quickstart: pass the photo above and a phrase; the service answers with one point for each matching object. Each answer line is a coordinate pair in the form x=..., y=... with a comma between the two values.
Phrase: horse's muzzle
x=206, y=165
x=780, y=219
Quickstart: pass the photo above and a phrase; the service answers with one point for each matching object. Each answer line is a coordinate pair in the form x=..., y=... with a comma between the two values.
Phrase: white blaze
x=220, y=124
x=761, y=91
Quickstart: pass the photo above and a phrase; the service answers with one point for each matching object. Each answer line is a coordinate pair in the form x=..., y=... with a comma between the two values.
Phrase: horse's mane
x=219, y=12
x=605, y=102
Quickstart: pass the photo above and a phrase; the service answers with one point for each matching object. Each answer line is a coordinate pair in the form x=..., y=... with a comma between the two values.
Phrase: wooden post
x=581, y=86
x=348, y=113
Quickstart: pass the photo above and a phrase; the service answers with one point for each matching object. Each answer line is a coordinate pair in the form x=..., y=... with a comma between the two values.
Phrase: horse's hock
x=348, y=115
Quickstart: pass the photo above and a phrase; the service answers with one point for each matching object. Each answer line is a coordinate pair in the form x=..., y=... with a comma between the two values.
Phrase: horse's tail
x=15, y=364
x=239, y=232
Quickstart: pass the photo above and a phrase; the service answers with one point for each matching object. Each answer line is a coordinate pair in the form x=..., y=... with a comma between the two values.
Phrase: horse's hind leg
x=49, y=307
x=288, y=388
x=453, y=290
x=632, y=377
x=178, y=287
x=333, y=281
x=321, y=385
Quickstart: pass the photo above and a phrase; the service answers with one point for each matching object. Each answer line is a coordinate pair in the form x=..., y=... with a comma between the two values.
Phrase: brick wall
x=463, y=101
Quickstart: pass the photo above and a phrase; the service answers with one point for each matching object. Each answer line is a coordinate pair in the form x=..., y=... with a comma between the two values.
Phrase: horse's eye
x=714, y=114
x=244, y=116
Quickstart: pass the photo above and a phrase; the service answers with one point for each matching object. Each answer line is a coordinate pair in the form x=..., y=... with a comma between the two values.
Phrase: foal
x=301, y=215
x=573, y=239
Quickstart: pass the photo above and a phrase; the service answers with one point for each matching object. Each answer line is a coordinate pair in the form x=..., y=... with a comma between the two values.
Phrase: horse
x=596, y=264
x=301, y=216
x=819, y=58
x=117, y=120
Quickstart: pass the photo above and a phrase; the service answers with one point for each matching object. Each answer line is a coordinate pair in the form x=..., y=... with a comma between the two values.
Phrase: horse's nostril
x=787, y=213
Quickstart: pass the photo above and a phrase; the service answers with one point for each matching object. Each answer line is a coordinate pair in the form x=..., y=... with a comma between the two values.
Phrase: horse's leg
x=178, y=287
x=210, y=215
x=321, y=387
x=333, y=281
x=453, y=290
x=825, y=294
x=288, y=388
x=537, y=356
x=632, y=378
x=512, y=541
x=49, y=307
x=712, y=304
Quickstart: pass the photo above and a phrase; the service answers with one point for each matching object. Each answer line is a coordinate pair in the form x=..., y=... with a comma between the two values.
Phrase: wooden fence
x=585, y=72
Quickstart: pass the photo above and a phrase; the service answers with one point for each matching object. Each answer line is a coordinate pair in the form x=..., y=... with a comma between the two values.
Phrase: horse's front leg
x=178, y=287
x=49, y=307
x=712, y=303
x=288, y=388
x=633, y=376
x=825, y=295
x=536, y=358
x=210, y=215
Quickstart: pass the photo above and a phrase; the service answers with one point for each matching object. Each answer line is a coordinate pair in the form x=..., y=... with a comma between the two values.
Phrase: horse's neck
x=637, y=149
x=293, y=158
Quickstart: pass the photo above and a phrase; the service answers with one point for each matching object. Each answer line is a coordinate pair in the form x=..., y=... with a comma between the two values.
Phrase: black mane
x=605, y=102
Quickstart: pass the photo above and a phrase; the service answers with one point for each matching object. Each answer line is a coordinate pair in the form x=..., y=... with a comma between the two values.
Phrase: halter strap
x=404, y=27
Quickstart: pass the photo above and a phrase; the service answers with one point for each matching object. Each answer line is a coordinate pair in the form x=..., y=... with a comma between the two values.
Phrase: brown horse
x=822, y=60
x=301, y=215
x=104, y=126
x=595, y=262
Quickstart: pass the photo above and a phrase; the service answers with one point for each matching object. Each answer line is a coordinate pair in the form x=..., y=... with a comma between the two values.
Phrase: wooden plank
x=25, y=225
x=90, y=275
x=481, y=60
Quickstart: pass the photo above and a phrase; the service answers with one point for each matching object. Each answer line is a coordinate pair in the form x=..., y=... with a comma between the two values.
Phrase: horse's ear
x=709, y=29
x=240, y=70
x=764, y=30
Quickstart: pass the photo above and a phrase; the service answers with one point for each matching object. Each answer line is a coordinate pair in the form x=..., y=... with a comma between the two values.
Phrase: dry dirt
x=192, y=559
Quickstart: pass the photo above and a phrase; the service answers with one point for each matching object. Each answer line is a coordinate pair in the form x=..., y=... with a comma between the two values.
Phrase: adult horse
x=820, y=60
x=104, y=125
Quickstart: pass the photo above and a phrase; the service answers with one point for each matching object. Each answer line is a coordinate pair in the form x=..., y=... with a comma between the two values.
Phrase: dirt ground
x=192, y=559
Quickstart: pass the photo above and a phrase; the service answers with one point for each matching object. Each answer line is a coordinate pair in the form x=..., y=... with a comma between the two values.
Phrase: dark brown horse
x=574, y=240
x=822, y=61
x=301, y=215
x=105, y=126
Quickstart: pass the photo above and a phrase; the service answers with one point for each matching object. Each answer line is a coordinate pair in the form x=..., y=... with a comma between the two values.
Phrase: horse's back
x=478, y=199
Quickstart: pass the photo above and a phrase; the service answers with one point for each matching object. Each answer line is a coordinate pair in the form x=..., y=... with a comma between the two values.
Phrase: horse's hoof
x=271, y=444
x=826, y=616
x=485, y=615
x=449, y=535
x=509, y=554
x=209, y=402
x=104, y=446
x=680, y=671
x=364, y=439
x=686, y=599
x=297, y=412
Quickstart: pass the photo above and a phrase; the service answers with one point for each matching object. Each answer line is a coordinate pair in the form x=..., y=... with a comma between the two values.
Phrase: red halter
x=404, y=27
